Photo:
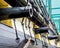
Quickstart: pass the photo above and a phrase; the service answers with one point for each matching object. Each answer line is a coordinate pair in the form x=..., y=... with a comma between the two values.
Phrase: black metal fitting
x=41, y=30
x=52, y=37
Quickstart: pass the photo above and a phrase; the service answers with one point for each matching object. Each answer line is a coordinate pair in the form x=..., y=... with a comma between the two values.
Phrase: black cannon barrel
x=41, y=30
x=24, y=3
x=52, y=37
x=15, y=12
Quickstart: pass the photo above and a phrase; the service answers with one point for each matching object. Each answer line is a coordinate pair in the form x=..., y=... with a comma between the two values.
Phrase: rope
x=23, y=28
x=16, y=30
x=29, y=29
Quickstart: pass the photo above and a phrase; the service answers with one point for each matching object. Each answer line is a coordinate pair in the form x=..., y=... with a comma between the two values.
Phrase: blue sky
x=55, y=4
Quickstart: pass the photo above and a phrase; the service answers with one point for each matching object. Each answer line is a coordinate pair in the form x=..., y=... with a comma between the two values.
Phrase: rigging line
x=17, y=38
x=29, y=29
x=40, y=6
x=23, y=27
x=44, y=8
